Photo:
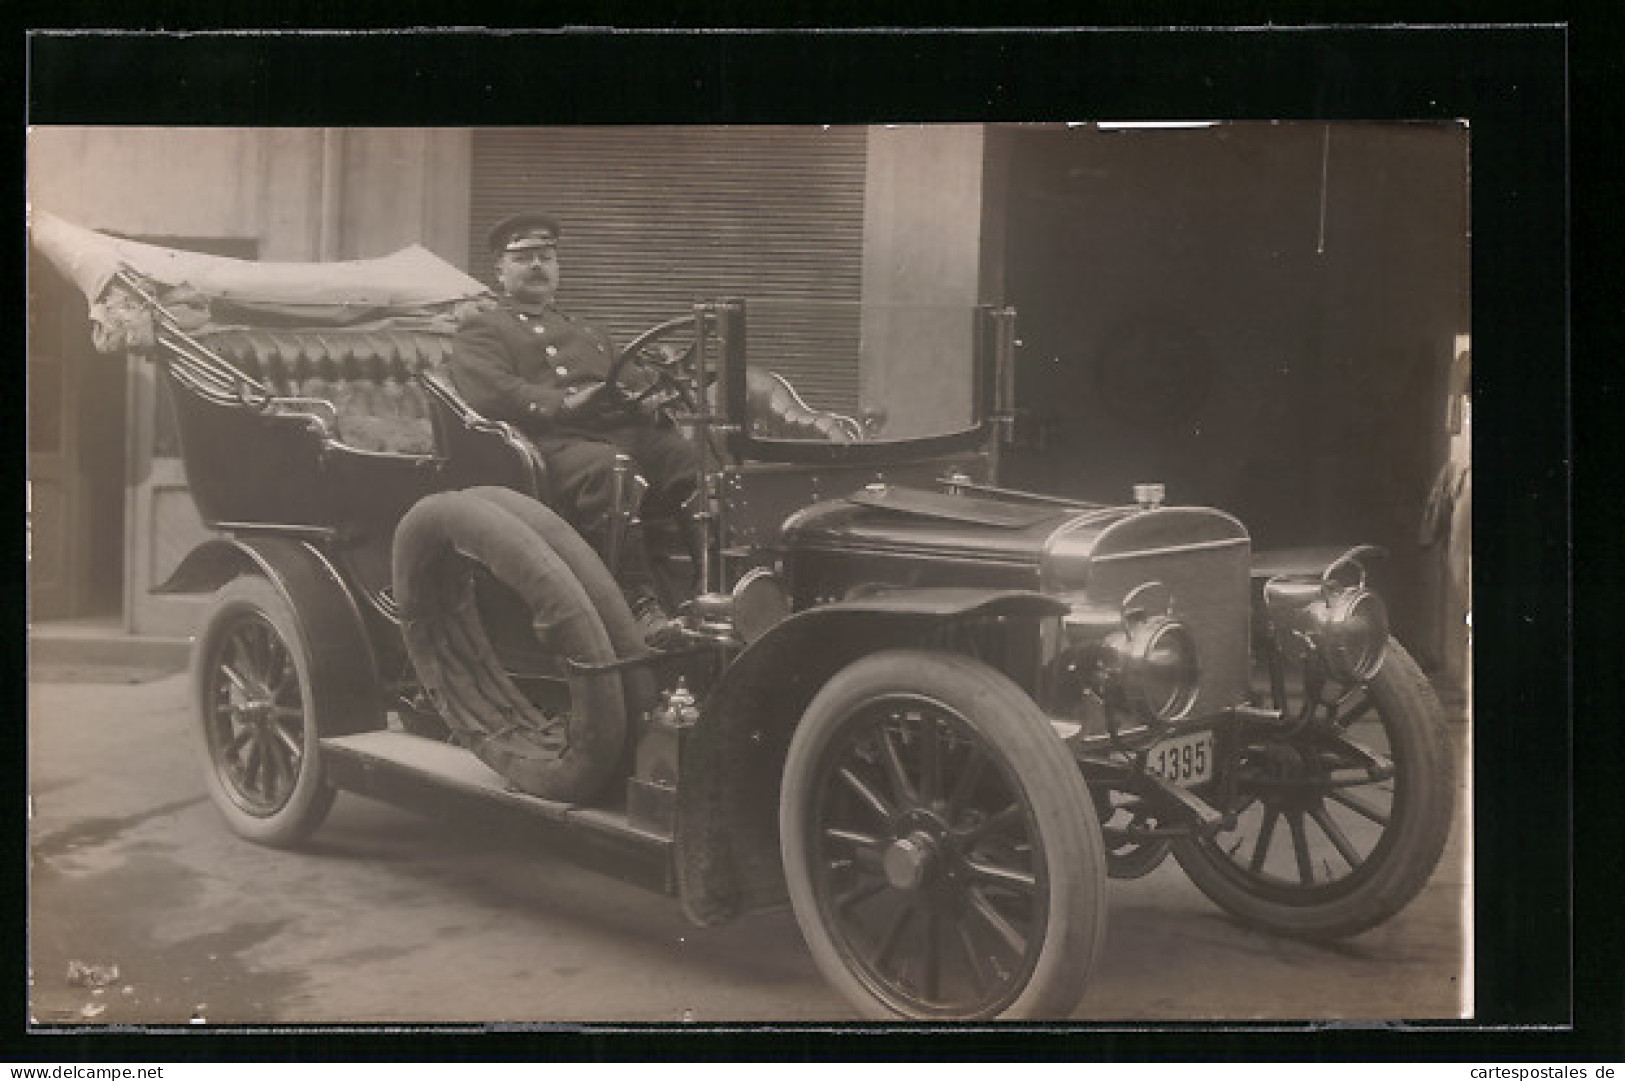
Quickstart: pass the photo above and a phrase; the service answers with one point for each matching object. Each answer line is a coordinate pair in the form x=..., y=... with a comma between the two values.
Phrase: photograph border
x=1510, y=84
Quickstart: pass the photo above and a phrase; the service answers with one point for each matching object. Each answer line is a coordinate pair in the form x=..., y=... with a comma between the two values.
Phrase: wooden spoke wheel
x=253, y=703
x=942, y=852
x=1340, y=821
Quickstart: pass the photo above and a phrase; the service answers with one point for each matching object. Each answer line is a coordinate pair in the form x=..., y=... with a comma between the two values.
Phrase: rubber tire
x=463, y=675
x=1015, y=730
x=252, y=596
x=1417, y=735
x=600, y=585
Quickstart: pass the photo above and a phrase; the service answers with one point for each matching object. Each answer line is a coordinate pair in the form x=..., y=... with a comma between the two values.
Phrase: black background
x=1547, y=703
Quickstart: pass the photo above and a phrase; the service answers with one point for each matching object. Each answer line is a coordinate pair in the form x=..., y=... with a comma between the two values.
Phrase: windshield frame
x=991, y=323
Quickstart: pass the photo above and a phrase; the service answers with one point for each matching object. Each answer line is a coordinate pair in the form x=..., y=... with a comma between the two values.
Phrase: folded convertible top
x=410, y=282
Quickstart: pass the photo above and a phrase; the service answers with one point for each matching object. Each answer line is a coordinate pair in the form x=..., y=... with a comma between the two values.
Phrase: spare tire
x=602, y=590
x=565, y=756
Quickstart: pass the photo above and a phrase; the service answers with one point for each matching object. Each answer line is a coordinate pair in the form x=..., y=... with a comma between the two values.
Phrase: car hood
x=895, y=519
x=1059, y=541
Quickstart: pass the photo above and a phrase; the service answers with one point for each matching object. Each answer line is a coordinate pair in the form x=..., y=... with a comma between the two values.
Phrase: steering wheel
x=667, y=353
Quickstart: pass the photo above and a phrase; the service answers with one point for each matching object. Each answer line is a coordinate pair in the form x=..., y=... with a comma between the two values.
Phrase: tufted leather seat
x=369, y=376
x=775, y=411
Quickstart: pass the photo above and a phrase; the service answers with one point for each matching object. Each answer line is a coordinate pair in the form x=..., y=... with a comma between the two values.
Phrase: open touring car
x=933, y=714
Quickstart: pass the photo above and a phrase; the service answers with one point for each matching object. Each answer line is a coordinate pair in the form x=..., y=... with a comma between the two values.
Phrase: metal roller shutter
x=657, y=218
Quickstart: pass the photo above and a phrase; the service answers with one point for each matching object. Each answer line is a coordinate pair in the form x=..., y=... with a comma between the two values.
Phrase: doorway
x=163, y=522
x=76, y=464
x=109, y=515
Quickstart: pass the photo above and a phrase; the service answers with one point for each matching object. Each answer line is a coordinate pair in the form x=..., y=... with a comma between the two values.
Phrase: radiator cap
x=1149, y=496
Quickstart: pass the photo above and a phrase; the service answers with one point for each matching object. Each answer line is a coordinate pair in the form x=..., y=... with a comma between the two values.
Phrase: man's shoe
x=660, y=631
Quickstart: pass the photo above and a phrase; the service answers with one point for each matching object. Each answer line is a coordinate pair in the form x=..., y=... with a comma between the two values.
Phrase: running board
x=434, y=778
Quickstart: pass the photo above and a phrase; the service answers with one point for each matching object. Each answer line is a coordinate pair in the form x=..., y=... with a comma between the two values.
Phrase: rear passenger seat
x=369, y=375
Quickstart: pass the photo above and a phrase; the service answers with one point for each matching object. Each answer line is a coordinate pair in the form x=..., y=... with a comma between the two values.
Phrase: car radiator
x=1209, y=581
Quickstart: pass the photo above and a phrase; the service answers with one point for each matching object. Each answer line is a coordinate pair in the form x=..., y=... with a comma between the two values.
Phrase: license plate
x=1185, y=760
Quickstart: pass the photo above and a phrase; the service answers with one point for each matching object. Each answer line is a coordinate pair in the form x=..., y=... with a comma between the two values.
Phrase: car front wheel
x=942, y=853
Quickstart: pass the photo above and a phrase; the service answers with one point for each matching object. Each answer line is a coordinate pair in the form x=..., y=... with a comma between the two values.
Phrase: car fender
x=1308, y=562
x=343, y=668
x=727, y=801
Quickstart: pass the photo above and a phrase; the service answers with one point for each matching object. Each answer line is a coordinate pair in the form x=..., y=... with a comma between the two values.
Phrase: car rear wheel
x=1340, y=823
x=942, y=853
x=256, y=718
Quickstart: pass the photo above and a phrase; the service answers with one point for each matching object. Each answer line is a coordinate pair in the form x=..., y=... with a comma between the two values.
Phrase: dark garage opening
x=1260, y=316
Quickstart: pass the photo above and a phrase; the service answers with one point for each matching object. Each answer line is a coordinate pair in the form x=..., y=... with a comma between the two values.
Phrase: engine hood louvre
x=916, y=521
x=1059, y=543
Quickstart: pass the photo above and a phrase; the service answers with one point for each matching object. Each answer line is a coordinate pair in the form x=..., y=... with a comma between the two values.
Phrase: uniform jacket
x=517, y=362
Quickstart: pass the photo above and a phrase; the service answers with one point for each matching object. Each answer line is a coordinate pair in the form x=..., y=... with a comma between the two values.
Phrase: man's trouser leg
x=582, y=475
x=670, y=462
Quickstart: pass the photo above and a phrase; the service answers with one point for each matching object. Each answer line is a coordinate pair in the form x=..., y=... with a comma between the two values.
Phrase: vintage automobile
x=934, y=714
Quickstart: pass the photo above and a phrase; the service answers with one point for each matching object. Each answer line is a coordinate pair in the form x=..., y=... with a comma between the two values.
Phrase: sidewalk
x=99, y=650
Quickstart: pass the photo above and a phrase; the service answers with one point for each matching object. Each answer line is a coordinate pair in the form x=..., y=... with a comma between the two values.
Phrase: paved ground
x=389, y=917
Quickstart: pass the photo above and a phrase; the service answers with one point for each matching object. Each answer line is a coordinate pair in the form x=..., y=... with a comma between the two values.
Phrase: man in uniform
x=528, y=363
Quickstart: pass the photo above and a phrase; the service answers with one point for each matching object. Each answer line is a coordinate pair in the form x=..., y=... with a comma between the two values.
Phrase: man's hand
x=653, y=401
x=583, y=399
x=661, y=354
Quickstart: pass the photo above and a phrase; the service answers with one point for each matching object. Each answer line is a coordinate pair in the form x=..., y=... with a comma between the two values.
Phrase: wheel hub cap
x=254, y=710
x=1286, y=763
x=908, y=861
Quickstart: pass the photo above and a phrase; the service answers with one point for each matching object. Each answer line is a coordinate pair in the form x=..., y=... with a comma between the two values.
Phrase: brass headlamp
x=1343, y=622
x=1136, y=656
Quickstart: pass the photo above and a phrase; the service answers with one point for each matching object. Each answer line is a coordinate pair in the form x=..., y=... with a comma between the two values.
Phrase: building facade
x=1261, y=316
